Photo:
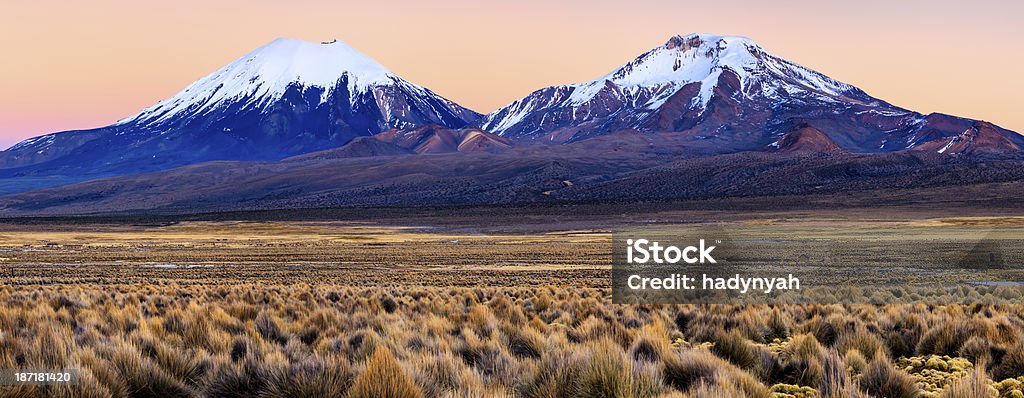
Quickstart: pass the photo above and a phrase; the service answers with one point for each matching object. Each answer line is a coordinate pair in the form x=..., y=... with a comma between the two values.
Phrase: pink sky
x=72, y=65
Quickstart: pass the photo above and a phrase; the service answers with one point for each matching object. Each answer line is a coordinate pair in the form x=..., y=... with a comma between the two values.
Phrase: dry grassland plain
x=352, y=309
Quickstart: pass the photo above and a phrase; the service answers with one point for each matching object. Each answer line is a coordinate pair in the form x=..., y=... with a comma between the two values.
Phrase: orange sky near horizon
x=73, y=65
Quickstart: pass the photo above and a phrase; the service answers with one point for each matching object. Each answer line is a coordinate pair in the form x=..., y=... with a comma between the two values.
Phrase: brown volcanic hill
x=979, y=139
x=427, y=139
x=476, y=140
x=806, y=139
x=438, y=139
x=359, y=147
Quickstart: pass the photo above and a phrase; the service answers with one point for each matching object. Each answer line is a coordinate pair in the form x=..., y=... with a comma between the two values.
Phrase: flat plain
x=472, y=307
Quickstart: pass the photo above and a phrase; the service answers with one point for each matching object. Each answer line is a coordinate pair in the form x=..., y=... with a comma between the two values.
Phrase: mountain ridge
x=278, y=128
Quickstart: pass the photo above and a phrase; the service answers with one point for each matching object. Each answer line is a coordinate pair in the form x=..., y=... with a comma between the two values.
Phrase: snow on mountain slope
x=702, y=58
x=258, y=79
x=265, y=74
x=647, y=82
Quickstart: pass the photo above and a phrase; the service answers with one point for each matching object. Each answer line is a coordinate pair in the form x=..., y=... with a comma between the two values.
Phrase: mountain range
x=300, y=124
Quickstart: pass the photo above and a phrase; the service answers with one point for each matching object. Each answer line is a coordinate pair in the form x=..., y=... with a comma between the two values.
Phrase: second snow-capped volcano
x=646, y=83
x=285, y=98
x=684, y=68
x=725, y=92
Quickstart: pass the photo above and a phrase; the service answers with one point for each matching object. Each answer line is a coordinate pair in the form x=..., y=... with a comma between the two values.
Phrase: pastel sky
x=72, y=65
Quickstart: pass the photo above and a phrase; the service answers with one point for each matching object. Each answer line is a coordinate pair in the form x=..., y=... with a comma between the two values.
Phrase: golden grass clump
x=974, y=385
x=384, y=378
x=882, y=379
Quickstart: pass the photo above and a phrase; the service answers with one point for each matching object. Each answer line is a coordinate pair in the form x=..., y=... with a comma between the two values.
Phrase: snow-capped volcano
x=650, y=79
x=638, y=89
x=726, y=91
x=315, y=73
x=286, y=98
x=267, y=73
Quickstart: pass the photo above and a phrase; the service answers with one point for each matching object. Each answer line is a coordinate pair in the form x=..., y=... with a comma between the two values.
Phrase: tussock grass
x=693, y=371
x=281, y=340
x=882, y=379
x=384, y=378
x=974, y=385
